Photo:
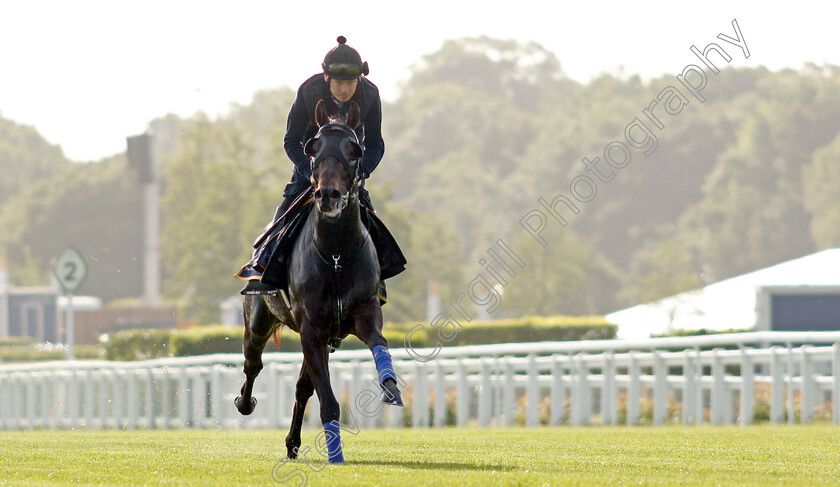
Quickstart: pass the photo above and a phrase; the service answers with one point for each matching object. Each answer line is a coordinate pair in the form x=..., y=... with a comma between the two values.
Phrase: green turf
x=756, y=455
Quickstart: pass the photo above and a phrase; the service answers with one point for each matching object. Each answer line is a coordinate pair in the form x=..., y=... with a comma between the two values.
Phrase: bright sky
x=87, y=73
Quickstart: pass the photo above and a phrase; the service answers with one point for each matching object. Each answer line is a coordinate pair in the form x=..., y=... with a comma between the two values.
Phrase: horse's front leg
x=313, y=340
x=303, y=391
x=368, y=327
x=259, y=325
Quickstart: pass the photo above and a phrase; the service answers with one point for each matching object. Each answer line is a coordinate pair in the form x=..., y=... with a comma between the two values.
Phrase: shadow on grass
x=435, y=465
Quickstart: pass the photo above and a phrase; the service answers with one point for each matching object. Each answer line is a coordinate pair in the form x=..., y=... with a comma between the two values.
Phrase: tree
x=95, y=207
x=752, y=213
x=210, y=187
x=664, y=269
x=820, y=183
x=432, y=248
x=566, y=277
x=525, y=74
x=25, y=157
x=224, y=179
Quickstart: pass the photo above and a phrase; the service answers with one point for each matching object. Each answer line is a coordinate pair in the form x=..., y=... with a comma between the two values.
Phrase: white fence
x=784, y=376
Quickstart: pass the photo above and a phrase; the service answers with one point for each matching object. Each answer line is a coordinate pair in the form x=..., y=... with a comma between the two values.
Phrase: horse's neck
x=340, y=235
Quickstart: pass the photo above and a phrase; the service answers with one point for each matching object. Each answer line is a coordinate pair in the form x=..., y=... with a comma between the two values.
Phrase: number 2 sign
x=70, y=269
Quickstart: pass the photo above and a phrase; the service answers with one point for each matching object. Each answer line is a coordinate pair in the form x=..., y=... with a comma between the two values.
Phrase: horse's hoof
x=292, y=452
x=245, y=408
x=391, y=394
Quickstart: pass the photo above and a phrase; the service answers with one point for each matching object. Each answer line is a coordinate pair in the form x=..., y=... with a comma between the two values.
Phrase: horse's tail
x=276, y=335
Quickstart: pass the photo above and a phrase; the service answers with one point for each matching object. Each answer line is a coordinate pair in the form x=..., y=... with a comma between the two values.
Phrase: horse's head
x=335, y=156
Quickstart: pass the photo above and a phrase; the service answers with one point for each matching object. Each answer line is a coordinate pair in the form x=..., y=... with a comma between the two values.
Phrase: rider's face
x=342, y=89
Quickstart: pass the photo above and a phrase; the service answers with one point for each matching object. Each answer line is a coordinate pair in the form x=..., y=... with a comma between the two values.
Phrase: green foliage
x=524, y=73
x=14, y=350
x=203, y=340
x=820, y=183
x=698, y=332
x=138, y=345
x=515, y=330
x=483, y=128
x=535, y=329
x=567, y=276
x=16, y=341
x=94, y=207
x=25, y=156
x=432, y=248
x=757, y=181
x=29, y=354
x=223, y=181
x=665, y=270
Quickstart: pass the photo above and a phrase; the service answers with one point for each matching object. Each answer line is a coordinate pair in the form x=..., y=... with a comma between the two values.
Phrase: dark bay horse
x=333, y=279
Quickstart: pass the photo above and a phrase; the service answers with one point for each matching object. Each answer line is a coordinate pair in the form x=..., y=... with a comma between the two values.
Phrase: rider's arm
x=296, y=126
x=374, y=145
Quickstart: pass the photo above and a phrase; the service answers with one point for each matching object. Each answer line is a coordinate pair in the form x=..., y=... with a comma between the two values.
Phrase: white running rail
x=720, y=379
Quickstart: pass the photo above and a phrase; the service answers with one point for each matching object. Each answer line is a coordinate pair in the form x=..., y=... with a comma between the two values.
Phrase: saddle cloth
x=391, y=259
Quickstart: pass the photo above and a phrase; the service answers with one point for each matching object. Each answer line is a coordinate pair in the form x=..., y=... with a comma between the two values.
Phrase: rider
x=343, y=80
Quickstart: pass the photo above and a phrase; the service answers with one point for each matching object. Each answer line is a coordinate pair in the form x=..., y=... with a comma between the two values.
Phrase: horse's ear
x=354, y=117
x=321, y=116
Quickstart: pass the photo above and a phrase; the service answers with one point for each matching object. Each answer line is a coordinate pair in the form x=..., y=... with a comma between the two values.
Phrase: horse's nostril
x=327, y=194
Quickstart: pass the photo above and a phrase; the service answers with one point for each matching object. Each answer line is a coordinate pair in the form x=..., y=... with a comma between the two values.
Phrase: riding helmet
x=344, y=62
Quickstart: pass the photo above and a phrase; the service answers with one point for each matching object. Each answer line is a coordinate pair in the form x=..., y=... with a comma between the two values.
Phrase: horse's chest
x=326, y=295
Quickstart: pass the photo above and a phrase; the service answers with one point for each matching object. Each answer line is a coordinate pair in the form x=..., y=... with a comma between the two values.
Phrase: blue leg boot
x=333, y=434
x=387, y=376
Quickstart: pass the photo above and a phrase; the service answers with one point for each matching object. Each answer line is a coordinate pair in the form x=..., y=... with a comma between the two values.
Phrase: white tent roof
x=726, y=304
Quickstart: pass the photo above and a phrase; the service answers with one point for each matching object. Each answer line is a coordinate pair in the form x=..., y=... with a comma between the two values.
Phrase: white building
x=800, y=294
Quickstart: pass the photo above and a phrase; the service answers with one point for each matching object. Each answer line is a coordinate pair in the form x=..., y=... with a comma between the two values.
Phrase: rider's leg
x=364, y=198
x=263, y=252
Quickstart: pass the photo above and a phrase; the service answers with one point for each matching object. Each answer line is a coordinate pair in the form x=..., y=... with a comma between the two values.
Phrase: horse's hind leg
x=303, y=391
x=259, y=325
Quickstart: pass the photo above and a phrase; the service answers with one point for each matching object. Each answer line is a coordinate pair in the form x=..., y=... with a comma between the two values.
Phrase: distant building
x=39, y=313
x=232, y=312
x=28, y=311
x=800, y=294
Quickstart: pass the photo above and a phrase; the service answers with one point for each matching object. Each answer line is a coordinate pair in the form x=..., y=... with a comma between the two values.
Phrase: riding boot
x=263, y=252
x=364, y=198
x=383, y=293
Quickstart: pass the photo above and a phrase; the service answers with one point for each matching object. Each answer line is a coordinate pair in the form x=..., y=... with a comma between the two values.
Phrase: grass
x=672, y=455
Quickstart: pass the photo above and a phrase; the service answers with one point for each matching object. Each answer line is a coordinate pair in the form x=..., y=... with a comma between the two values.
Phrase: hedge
x=16, y=341
x=203, y=340
x=29, y=353
x=519, y=330
x=700, y=332
x=137, y=344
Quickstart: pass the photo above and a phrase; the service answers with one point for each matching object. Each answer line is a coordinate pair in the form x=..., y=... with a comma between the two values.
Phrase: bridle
x=346, y=150
x=340, y=141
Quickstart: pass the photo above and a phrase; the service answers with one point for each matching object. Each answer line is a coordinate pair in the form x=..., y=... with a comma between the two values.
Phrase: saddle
x=391, y=259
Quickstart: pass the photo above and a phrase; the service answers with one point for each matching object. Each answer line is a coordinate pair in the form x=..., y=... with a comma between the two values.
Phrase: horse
x=332, y=291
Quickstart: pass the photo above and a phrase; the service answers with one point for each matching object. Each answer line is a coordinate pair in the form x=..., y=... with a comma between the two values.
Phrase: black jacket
x=301, y=126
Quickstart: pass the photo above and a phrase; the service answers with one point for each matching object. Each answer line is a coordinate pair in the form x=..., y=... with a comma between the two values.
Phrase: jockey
x=343, y=80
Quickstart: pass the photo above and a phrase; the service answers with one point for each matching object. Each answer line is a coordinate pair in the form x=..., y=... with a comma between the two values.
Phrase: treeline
x=483, y=130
